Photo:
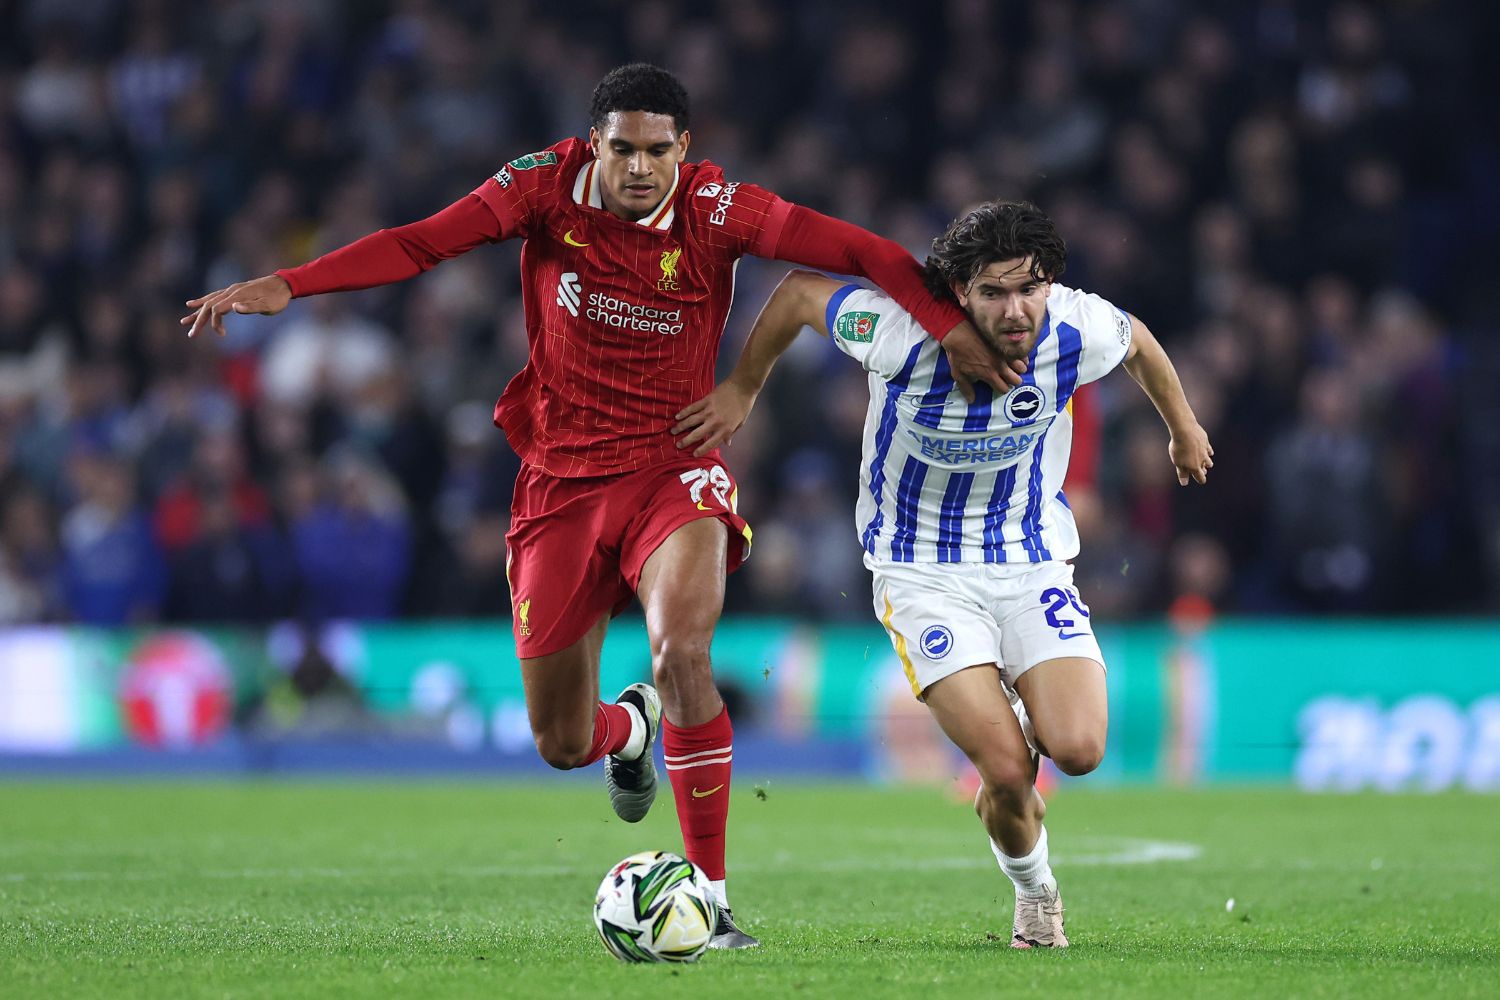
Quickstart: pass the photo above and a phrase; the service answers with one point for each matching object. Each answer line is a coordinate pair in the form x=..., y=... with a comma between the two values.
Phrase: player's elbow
x=419, y=254
x=799, y=286
x=803, y=295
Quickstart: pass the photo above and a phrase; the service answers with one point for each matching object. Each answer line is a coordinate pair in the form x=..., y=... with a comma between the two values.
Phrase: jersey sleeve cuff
x=835, y=303
x=289, y=275
x=942, y=320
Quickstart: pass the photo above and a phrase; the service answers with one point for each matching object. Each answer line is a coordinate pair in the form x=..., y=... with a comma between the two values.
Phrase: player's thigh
x=974, y=711
x=562, y=688
x=681, y=584
x=562, y=562
x=1068, y=704
x=677, y=548
x=1053, y=661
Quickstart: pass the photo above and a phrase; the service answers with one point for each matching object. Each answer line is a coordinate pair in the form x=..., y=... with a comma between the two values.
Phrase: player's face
x=638, y=153
x=1006, y=305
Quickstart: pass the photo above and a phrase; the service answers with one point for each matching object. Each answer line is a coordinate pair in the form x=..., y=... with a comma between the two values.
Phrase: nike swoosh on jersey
x=1070, y=635
x=570, y=241
x=703, y=795
x=702, y=507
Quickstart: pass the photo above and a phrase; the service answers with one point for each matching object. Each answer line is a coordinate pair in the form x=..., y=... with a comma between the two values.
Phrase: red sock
x=611, y=731
x=698, y=764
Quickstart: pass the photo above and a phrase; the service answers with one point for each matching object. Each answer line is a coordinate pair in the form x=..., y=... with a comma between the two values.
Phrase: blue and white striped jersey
x=943, y=480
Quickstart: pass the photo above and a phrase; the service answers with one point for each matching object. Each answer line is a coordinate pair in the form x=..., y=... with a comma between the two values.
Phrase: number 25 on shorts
x=1058, y=600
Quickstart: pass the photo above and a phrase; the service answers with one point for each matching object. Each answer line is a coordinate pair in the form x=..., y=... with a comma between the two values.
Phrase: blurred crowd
x=1297, y=197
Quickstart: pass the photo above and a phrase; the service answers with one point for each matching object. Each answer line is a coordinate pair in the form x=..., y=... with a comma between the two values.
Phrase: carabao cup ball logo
x=1024, y=404
x=936, y=641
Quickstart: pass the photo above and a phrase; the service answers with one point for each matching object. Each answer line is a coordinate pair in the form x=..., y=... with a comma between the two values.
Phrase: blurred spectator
x=230, y=570
x=1200, y=579
x=60, y=92
x=30, y=584
x=112, y=571
x=217, y=474
x=33, y=346
x=352, y=541
x=1327, y=499
x=330, y=352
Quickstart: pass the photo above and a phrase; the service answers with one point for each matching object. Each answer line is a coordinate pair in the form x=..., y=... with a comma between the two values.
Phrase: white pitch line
x=1123, y=851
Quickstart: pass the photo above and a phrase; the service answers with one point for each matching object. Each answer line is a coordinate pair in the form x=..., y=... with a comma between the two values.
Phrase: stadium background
x=284, y=548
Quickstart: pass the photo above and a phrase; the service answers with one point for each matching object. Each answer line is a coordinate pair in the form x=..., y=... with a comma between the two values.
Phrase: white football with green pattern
x=655, y=907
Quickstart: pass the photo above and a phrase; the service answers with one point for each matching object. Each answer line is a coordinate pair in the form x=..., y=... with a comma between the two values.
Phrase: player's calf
x=1007, y=802
x=1012, y=812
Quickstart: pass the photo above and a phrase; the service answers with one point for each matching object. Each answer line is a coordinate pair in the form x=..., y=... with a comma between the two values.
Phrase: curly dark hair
x=640, y=87
x=995, y=231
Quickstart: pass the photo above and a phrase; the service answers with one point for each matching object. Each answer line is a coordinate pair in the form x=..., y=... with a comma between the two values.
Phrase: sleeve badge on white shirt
x=856, y=326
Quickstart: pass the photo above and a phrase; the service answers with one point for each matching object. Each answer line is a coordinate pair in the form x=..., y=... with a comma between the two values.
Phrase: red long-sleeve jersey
x=623, y=318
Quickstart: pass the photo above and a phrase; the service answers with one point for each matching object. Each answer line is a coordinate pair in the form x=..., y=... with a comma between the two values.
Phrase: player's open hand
x=972, y=360
x=1191, y=454
x=263, y=296
x=712, y=420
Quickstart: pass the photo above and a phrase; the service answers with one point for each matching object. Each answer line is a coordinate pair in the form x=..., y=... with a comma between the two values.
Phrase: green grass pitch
x=321, y=889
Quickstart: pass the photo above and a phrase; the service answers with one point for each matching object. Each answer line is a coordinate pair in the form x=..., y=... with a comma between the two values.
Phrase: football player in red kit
x=628, y=273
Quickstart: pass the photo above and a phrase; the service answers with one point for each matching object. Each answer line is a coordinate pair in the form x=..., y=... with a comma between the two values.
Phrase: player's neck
x=620, y=213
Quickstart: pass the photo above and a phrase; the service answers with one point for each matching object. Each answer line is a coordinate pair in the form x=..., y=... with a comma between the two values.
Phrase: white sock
x=1032, y=874
x=637, y=743
x=721, y=895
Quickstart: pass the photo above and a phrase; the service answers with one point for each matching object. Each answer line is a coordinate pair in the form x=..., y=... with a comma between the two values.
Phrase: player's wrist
x=940, y=337
x=1180, y=425
x=746, y=384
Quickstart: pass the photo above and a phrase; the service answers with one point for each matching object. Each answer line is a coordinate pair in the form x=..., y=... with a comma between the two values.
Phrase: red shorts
x=577, y=546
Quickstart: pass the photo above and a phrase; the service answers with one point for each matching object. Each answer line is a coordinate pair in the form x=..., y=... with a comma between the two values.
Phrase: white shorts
x=945, y=617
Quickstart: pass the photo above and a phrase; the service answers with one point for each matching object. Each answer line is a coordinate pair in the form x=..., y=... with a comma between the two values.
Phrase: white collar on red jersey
x=586, y=191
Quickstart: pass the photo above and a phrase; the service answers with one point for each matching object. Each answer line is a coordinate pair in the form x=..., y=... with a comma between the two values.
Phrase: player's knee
x=1077, y=754
x=1007, y=782
x=563, y=751
x=675, y=659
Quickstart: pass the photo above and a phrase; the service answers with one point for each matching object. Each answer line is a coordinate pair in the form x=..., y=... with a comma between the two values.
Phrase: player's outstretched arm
x=380, y=258
x=815, y=240
x=800, y=300
x=1148, y=364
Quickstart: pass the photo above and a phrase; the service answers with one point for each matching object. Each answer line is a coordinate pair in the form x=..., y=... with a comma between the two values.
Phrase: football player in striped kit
x=962, y=515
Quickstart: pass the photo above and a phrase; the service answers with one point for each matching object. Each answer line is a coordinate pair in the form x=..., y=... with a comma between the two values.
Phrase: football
x=655, y=907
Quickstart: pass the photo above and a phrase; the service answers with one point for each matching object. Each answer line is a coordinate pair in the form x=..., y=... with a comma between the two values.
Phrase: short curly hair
x=995, y=231
x=640, y=87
